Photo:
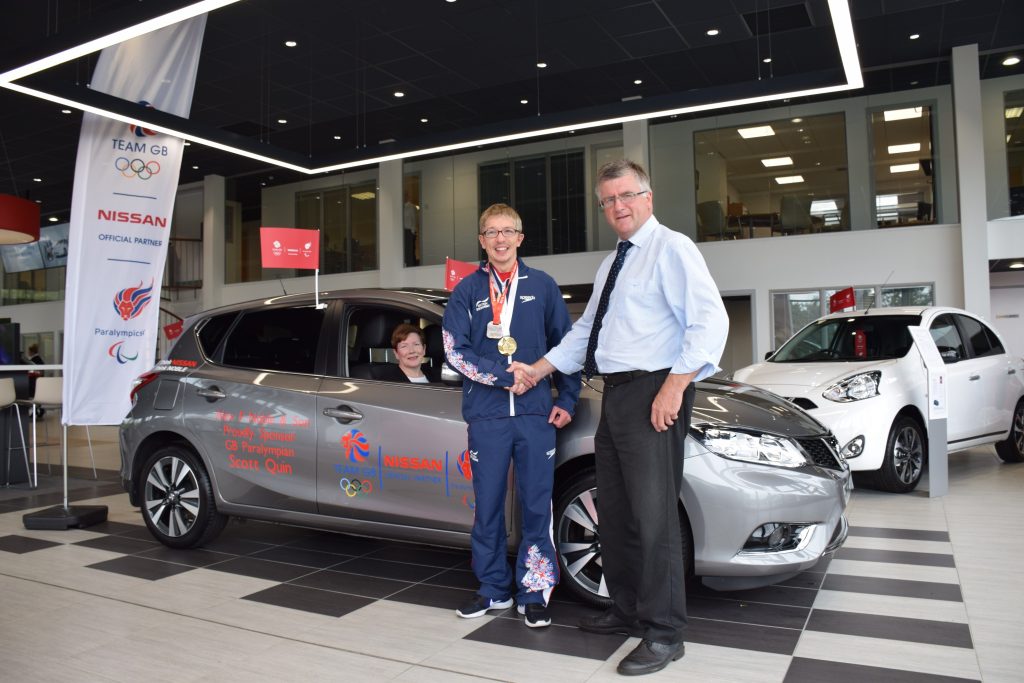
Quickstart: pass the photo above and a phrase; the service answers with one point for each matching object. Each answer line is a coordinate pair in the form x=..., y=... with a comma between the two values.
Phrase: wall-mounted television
x=50, y=251
x=21, y=257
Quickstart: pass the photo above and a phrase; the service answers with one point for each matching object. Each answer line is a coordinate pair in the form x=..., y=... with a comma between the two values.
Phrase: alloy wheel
x=908, y=454
x=579, y=543
x=172, y=496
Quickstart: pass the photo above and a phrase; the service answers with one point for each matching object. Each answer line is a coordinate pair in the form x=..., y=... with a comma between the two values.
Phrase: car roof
x=924, y=311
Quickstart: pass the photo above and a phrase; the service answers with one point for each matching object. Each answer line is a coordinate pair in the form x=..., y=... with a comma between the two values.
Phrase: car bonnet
x=732, y=404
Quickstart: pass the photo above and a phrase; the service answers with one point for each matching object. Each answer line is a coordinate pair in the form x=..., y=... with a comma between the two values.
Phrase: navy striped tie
x=590, y=365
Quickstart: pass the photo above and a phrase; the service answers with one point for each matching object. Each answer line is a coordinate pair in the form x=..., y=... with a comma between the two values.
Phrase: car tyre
x=177, y=499
x=905, y=453
x=1012, y=449
x=578, y=540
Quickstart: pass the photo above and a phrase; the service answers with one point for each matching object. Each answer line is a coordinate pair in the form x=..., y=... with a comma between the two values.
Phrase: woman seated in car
x=410, y=345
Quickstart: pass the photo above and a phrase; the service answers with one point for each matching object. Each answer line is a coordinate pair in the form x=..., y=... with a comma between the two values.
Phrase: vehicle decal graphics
x=250, y=436
x=355, y=487
x=357, y=448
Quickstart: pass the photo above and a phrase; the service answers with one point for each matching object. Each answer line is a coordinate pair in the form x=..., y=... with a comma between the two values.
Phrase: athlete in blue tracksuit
x=504, y=299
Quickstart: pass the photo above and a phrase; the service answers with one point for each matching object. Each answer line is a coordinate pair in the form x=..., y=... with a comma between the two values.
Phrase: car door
x=961, y=391
x=990, y=366
x=251, y=410
x=388, y=451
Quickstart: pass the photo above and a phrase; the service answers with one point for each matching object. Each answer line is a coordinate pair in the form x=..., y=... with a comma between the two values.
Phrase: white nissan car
x=861, y=375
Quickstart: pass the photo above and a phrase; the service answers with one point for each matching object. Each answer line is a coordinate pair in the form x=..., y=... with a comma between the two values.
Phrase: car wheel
x=177, y=499
x=1012, y=449
x=578, y=540
x=904, y=456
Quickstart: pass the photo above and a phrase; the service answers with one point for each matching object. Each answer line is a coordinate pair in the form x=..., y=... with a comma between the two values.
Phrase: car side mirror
x=449, y=376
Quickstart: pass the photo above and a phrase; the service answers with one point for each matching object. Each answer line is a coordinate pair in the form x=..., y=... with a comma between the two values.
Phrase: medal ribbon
x=502, y=292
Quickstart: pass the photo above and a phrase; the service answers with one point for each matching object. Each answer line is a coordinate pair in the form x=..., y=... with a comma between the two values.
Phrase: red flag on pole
x=454, y=271
x=173, y=330
x=290, y=248
x=842, y=299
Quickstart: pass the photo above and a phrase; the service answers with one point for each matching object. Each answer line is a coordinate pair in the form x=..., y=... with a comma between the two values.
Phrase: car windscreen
x=853, y=338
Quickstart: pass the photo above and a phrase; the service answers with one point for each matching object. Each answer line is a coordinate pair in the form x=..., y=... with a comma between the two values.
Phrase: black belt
x=614, y=379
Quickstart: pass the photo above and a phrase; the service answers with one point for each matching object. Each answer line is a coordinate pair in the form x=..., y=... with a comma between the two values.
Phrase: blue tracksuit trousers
x=528, y=442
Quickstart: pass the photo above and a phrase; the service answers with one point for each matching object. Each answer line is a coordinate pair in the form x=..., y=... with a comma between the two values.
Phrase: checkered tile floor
x=887, y=607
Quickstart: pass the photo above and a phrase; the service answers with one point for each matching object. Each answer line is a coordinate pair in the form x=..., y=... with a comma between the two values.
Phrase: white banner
x=125, y=181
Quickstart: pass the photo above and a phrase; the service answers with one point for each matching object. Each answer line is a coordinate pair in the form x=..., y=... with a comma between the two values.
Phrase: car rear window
x=276, y=339
x=855, y=338
x=212, y=331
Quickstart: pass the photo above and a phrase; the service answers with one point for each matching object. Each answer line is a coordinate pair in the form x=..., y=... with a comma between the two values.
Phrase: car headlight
x=765, y=449
x=856, y=388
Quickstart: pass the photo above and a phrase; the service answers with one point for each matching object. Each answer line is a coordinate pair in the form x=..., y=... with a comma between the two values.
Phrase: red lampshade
x=19, y=220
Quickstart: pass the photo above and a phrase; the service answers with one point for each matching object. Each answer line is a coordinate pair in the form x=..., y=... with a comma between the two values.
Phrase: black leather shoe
x=649, y=657
x=607, y=622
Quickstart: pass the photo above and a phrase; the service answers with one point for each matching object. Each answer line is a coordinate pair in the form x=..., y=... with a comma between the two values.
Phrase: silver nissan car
x=273, y=410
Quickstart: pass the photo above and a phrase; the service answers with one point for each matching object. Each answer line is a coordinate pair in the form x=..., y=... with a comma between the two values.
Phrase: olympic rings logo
x=353, y=487
x=137, y=167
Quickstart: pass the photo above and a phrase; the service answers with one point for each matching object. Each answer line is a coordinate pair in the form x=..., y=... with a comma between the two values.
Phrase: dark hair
x=403, y=331
x=620, y=168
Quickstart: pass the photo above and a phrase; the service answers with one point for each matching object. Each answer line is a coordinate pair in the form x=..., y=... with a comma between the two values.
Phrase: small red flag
x=844, y=298
x=454, y=271
x=290, y=248
x=174, y=330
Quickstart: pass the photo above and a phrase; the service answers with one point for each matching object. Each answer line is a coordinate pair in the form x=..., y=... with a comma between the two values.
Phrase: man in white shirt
x=654, y=326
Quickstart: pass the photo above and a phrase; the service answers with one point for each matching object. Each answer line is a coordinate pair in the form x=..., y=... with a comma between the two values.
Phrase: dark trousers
x=639, y=473
x=528, y=442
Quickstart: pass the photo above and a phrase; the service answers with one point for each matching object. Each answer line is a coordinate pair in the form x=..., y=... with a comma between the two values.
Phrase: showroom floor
x=922, y=592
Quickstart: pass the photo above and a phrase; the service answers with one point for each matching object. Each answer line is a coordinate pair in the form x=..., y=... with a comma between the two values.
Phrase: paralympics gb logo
x=356, y=445
x=130, y=301
x=116, y=351
x=139, y=131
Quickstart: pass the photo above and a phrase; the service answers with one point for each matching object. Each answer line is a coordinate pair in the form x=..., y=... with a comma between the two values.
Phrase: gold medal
x=507, y=346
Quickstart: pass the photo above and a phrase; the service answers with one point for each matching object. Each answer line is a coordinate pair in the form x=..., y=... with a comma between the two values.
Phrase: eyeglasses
x=507, y=232
x=626, y=198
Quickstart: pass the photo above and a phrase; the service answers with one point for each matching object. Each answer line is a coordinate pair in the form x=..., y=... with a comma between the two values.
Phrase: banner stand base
x=61, y=518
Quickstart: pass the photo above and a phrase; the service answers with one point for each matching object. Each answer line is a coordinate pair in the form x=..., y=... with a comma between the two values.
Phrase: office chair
x=795, y=215
x=712, y=223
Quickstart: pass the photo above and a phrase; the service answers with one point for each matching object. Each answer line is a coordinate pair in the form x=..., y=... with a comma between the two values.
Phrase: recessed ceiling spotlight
x=39, y=201
x=796, y=120
x=1011, y=61
x=424, y=120
x=399, y=93
x=290, y=43
x=195, y=168
x=54, y=219
x=767, y=60
x=712, y=32
x=638, y=81
x=37, y=180
x=524, y=101
x=915, y=36
x=913, y=82
x=65, y=111
x=542, y=65
x=1018, y=264
x=282, y=120
x=449, y=0
x=337, y=137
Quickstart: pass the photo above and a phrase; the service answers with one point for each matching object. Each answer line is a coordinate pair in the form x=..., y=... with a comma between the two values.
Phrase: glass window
x=548, y=192
x=903, y=166
x=916, y=295
x=212, y=332
x=347, y=219
x=947, y=338
x=276, y=339
x=781, y=177
x=411, y=226
x=1014, y=121
x=978, y=336
x=854, y=338
x=793, y=310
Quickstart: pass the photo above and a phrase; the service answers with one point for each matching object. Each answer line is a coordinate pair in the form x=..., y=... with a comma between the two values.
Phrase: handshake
x=526, y=377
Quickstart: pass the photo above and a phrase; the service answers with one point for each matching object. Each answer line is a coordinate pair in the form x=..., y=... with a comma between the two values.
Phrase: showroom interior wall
x=930, y=254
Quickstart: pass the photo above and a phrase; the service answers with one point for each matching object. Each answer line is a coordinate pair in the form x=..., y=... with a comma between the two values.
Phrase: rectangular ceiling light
x=899, y=114
x=789, y=179
x=1014, y=112
x=904, y=168
x=755, y=132
x=777, y=161
x=903, y=149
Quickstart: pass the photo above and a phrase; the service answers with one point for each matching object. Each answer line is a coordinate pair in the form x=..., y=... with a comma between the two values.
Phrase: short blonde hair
x=501, y=210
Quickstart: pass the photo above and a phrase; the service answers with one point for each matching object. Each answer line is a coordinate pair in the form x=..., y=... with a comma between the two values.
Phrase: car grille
x=805, y=403
x=823, y=451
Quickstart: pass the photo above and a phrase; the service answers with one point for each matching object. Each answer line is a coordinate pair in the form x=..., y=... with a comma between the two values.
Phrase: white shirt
x=664, y=312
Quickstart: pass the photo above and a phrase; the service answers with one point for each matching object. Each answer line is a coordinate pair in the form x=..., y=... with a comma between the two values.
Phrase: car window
x=276, y=339
x=979, y=337
x=368, y=342
x=212, y=331
x=853, y=338
x=947, y=338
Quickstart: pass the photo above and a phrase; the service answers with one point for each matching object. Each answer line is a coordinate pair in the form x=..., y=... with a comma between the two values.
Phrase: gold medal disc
x=507, y=346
